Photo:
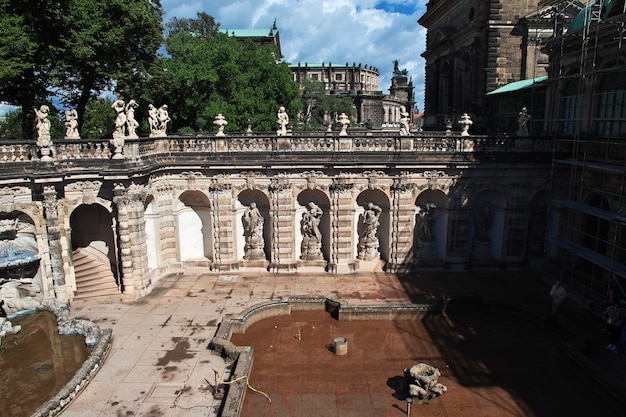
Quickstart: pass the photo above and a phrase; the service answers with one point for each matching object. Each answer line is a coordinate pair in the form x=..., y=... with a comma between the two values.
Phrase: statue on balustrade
x=131, y=123
x=344, y=121
x=120, y=119
x=283, y=121
x=368, y=243
x=465, y=124
x=523, y=121
x=312, y=237
x=404, y=122
x=253, y=230
x=220, y=122
x=157, y=120
x=71, y=124
x=43, y=124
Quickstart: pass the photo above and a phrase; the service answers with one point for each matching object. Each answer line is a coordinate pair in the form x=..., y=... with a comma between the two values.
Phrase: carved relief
x=88, y=189
x=13, y=194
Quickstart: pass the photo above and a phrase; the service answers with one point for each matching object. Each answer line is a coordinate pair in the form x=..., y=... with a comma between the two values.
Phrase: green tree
x=11, y=125
x=320, y=108
x=74, y=49
x=98, y=119
x=107, y=44
x=29, y=40
x=208, y=72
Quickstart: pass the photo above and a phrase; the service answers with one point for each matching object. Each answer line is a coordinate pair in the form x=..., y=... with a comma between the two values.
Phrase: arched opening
x=94, y=252
x=193, y=216
x=429, y=236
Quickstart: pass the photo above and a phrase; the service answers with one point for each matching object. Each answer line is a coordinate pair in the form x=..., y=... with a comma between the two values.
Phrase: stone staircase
x=94, y=277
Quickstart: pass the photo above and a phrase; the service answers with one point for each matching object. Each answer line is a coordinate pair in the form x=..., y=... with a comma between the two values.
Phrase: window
x=315, y=77
x=572, y=105
x=338, y=77
x=611, y=106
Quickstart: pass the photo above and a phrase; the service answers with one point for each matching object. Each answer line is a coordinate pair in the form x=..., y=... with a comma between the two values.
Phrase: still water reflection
x=36, y=363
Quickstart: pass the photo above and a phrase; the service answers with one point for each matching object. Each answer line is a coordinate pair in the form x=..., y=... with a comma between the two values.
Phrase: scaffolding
x=586, y=114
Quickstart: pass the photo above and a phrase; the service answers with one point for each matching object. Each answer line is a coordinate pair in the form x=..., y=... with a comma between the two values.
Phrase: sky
x=369, y=32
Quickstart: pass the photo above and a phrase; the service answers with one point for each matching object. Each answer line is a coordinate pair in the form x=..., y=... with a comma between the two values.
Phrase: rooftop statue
x=131, y=123
x=344, y=120
x=71, y=124
x=465, y=123
x=283, y=121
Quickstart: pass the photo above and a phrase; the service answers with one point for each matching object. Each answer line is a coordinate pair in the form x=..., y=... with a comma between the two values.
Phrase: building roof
x=251, y=33
x=519, y=85
x=586, y=15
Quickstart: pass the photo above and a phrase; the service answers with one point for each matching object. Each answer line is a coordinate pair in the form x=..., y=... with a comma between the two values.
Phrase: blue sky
x=370, y=32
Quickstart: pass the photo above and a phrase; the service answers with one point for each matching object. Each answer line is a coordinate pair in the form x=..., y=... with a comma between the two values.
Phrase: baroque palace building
x=109, y=221
x=82, y=218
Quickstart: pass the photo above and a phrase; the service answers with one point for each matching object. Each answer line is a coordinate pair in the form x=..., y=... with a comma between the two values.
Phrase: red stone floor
x=491, y=365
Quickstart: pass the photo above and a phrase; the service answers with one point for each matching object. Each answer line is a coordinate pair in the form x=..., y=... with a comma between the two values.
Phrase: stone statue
x=404, y=122
x=253, y=226
x=344, y=121
x=311, y=221
x=483, y=220
x=312, y=237
x=283, y=121
x=220, y=122
x=368, y=244
x=120, y=119
x=422, y=380
x=71, y=124
x=43, y=126
x=153, y=121
x=131, y=123
x=523, y=120
x=465, y=123
x=370, y=218
x=425, y=221
x=163, y=118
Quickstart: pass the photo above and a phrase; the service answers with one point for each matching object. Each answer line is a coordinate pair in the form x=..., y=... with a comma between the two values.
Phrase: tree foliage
x=321, y=108
x=208, y=72
x=73, y=48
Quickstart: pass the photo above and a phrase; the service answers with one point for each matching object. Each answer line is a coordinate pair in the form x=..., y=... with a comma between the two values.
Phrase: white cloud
x=370, y=32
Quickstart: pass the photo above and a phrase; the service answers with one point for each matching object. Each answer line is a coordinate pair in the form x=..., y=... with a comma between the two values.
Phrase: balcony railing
x=383, y=142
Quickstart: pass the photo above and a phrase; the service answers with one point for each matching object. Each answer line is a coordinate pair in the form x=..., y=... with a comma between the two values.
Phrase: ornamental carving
x=402, y=185
x=279, y=184
x=12, y=194
x=88, y=189
x=219, y=185
x=191, y=178
x=311, y=178
x=372, y=178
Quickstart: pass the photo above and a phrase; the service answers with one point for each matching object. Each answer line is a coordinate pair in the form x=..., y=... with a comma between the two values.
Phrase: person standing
x=558, y=294
x=614, y=321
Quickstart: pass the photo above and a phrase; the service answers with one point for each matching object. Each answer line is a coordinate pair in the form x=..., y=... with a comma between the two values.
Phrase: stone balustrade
x=383, y=142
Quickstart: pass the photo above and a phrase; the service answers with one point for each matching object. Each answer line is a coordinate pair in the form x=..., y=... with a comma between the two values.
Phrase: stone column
x=166, y=238
x=51, y=206
x=224, y=249
x=138, y=239
x=122, y=201
x=343, y=240
x=283, y=236
x=402, y=225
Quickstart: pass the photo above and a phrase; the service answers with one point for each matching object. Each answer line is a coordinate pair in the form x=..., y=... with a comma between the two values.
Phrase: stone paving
x=159, y=363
